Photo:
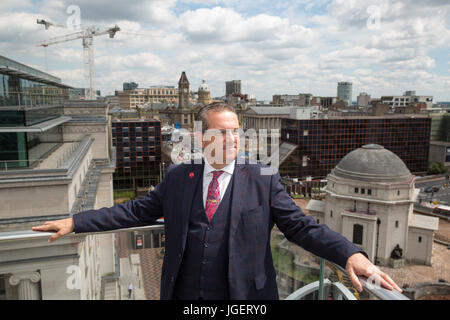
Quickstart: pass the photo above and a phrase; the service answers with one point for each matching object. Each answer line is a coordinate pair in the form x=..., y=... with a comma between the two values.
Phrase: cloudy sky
x=274, y=47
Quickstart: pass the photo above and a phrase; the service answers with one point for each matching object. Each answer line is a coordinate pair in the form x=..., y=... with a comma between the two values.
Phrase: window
x=363, y=191
x=318, y=221
x=357, y=234
x=331, y=214
x=369, y=192
x=356, y=190
x=396, y=223
x=420, y=239
x=398, y=192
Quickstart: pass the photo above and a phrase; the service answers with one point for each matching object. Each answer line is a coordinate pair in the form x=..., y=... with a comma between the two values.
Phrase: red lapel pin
x=191, y=175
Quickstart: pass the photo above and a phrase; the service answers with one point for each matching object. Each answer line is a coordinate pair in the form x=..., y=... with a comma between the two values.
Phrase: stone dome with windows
x=370, y=197
x=372, y=162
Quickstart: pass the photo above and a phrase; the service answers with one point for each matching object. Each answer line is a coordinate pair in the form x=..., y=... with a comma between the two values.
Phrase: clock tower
x=183, y=92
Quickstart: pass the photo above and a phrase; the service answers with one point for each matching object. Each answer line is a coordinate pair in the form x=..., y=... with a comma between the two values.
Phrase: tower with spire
x=183, y=92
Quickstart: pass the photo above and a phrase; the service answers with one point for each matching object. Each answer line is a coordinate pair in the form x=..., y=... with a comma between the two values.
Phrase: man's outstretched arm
x=133, y=213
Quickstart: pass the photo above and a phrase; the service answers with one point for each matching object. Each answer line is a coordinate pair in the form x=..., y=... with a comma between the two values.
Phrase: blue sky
x=384, y=47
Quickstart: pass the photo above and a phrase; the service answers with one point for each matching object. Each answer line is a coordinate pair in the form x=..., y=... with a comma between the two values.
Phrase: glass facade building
x=21, y=85
x=30, y=111
x=344, y=92
x=322, y=143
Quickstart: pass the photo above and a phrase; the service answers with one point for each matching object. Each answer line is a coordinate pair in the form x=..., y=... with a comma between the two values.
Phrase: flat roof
x=39, y=127
x=32, y=74
x=423, y=222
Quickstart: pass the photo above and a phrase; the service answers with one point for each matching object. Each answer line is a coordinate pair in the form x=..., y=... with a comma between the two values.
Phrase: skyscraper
x=344, y=92
x=232, y=87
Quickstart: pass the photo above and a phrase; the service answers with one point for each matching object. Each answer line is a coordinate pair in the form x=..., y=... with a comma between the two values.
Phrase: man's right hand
x=61, y=227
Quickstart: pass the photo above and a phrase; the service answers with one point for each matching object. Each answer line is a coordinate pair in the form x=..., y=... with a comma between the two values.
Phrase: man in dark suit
x=218, y=216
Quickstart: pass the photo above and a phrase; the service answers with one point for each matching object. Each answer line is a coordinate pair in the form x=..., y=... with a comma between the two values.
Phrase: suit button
x=206, y=245
x=171, y=279
x=179, y=255
x=204, y=262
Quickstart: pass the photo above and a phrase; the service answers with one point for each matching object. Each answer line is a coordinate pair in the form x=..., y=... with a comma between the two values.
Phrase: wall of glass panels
x=29, y=116
x=15, y=91
x=24, y=149
x=324, y=142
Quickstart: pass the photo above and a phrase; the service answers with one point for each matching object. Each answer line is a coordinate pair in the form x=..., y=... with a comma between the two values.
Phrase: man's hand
x=61, y=227
x=359, y=265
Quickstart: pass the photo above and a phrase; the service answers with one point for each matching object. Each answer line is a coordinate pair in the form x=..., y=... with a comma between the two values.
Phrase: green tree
x=437, y=168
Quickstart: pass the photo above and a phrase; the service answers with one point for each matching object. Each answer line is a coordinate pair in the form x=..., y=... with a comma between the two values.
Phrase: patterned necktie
x=213, y=198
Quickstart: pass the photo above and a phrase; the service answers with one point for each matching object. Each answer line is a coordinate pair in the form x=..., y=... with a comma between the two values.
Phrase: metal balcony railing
x=300, y=274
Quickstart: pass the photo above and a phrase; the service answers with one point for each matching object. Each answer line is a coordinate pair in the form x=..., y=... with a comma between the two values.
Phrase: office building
x=55, y=160
x=21, y=85
x=322, y=143
x=137, y=97
x=363, y=100
x=408, y=98
x=344, y=92
x=130, y=85
x=232, y=87
x=138, y=153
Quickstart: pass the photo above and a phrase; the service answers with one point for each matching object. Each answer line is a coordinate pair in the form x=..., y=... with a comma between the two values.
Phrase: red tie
x=213, y=198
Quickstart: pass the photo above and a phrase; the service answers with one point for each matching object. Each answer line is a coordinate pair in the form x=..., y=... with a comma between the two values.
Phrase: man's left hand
x=359, y=265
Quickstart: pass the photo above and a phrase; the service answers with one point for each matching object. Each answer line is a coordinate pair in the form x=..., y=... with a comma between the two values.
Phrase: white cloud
x=272, y=46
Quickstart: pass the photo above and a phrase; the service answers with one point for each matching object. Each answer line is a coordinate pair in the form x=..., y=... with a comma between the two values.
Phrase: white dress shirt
x=223, y=180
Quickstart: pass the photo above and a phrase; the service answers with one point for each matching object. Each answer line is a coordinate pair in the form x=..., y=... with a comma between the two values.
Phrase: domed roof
x=372, y=162
x=203, y=86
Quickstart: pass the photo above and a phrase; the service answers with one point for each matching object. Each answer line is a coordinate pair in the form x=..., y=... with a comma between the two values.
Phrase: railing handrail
x=40, y=234
x=377, y=291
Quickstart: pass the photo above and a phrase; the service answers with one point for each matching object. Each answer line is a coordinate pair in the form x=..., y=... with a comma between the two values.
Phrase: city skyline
x=273, y=47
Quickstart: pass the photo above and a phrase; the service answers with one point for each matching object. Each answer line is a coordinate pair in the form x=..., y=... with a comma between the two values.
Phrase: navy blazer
x=258, y=201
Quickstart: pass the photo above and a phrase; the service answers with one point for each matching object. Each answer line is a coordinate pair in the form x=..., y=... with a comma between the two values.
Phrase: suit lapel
x=193, y=173
x=237, y=198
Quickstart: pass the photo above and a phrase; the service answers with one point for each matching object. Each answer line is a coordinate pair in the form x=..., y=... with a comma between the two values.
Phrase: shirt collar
x=229, y=168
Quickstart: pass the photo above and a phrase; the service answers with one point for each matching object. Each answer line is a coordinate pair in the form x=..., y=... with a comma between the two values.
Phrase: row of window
x=363, y=191
x=139, y=159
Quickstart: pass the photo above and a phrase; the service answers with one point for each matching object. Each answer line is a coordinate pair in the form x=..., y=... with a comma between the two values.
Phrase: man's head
x=220, y=132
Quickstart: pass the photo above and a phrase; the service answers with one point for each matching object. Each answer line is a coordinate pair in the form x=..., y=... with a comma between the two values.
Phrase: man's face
x=227, y=141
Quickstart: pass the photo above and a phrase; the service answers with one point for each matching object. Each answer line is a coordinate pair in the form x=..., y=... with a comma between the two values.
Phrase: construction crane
x=87, y=35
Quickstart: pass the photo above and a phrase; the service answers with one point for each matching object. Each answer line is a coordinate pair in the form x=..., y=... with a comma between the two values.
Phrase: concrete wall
x=427, y=288
x=419, y=252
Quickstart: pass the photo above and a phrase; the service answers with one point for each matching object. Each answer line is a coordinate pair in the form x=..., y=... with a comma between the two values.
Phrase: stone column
x=28, y=285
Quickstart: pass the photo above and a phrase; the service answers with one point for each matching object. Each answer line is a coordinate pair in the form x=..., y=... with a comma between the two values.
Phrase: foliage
x=124, y=194
x=437, y=168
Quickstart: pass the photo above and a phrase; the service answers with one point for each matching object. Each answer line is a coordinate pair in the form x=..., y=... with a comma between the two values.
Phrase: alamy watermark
x=74, y=20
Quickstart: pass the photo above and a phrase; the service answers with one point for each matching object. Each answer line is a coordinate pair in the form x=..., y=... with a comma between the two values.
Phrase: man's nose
x=229, y=137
